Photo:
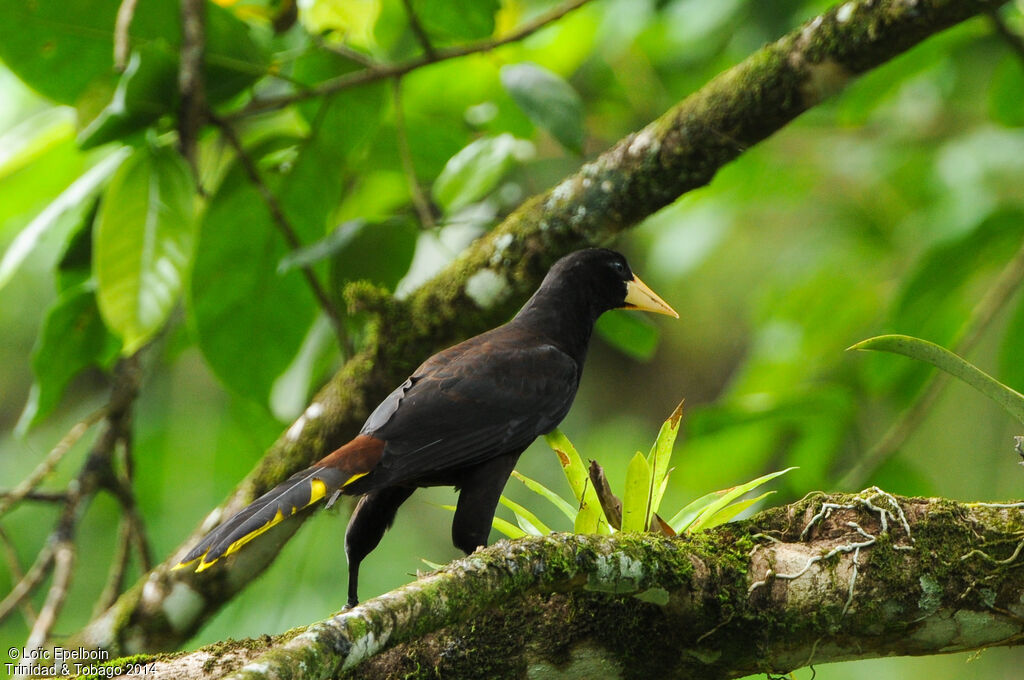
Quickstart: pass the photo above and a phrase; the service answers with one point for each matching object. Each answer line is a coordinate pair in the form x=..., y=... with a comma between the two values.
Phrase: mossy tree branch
x=680, y=151
x=825, y=579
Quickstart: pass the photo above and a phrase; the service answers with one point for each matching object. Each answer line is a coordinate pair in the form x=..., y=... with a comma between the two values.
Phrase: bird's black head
x=601, y=279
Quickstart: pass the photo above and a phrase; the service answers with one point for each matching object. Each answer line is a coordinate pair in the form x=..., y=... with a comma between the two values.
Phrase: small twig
x=190, y=80
x=14, y=566
x=64, y=560
x=28, y=583
x=96, y=471
x=19, y=492
x=282, y=223
x=1012, y=39
x=121, y=489
x=994, y=299
x=118, y=568
x=401, y=134
x=122, y=37
x=40, y=496
x=417, y=29
x=374, y=74
x=345, y=51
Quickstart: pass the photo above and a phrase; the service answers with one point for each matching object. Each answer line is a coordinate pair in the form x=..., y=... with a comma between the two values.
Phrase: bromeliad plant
x=597, y=510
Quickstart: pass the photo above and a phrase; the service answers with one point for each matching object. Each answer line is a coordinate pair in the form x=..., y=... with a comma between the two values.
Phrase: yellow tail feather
x=318, y=491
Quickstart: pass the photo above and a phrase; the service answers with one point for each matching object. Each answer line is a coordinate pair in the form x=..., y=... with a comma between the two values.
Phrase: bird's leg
x=373, y=515
x=481, y=488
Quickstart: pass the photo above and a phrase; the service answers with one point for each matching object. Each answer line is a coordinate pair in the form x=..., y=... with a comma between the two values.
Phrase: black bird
x=461, y=419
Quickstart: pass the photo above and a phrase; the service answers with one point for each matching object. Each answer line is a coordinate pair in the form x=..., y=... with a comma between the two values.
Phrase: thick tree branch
x=826, y=579
x=679, y=152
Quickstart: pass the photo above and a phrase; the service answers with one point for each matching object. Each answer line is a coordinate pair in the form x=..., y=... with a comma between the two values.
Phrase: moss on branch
x=777, y=592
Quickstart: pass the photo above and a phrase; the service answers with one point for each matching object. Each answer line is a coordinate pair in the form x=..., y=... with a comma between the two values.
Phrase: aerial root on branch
x=874, y=500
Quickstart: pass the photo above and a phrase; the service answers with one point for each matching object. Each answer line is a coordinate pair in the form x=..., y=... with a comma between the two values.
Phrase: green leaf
x=590, y=517
x=71, y=339
x=456, y=20
x=728, y=512
x=526, y=519
x=250, y=320
x=342, y=128
x=1011, y=368
x=693, y=509
x=504, y=526
x=61, y=49
x=725, y=497
x=475, y=171
x=1006, y=104
x=942, y=358
x=75, y=264
x=433, y=565
x=347, y=122
x=39, y=133
x=631, y=334
x=38, y=160
x=321, y=249
x=661, y=456
x=636, y=501
x=563, y=506
x=146, y=90
x=71, y=199
x=143, y=243
x=548, y=101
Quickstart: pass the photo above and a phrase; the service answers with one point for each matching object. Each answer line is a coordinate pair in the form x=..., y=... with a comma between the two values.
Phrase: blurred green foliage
x=887, y=209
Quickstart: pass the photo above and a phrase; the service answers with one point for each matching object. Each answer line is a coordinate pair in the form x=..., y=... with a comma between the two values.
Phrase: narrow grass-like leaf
x=728, y=512
x=729, y=495
x=433, y=565
x=636, y=501
x=590, y=518
x=693, y=509
x=564, y=506
x=661, y=456
x=507, y=528
x=940, y=357
x=526, y=519
x=501, y=525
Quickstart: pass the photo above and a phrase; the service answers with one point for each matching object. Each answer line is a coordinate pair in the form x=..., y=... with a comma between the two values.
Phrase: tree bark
x=680, y=151
x=829, y=578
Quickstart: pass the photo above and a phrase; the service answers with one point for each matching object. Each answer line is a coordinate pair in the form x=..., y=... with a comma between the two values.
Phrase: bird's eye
x=619, y=267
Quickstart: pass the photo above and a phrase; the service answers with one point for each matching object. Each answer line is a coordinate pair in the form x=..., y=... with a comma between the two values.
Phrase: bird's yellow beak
x=639, y=296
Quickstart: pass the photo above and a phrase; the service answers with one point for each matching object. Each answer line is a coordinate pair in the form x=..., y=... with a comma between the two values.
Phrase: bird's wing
x=484, y=400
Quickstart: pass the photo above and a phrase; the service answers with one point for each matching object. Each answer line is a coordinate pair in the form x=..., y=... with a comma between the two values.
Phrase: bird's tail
x=303, y=489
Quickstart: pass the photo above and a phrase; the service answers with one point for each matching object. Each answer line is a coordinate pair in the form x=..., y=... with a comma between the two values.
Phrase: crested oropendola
x=461, y=419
